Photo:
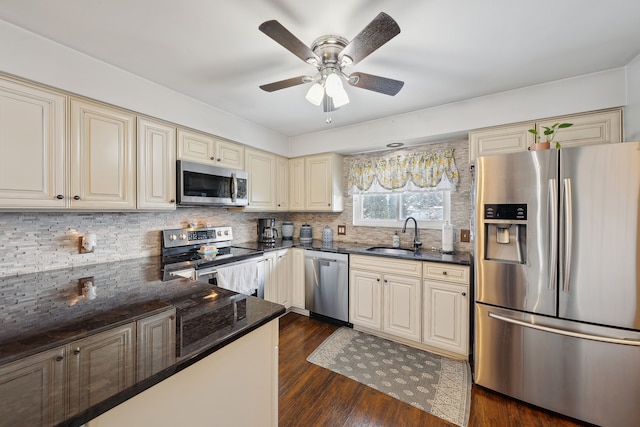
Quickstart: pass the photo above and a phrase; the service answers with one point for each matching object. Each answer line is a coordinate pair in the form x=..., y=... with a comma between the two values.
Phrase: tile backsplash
x=41, y=241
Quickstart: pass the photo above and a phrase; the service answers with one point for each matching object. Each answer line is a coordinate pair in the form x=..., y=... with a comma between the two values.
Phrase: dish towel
x=242, y=278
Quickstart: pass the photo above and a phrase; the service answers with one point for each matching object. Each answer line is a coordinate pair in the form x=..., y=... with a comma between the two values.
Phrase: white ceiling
x=448, y=50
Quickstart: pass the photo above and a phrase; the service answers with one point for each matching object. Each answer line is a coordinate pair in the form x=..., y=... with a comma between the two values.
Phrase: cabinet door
x=103, y=157
x=600, y=127
x=296, y=184
x=33, y=390
x=229, y=155
x=402, y=306
x=100, y=366
x=282, y=184
x=156, y=165
x=283, y=277
x=318, y=183
x=261, y=167
x=156, y=337
x=365, y=299
x=196, y=147
x=270, y=280
x=500, y=140
x=32, y=147
x=297, y=278
x=446, y=316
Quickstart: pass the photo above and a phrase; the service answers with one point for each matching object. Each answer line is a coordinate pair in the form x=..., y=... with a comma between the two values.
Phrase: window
x=429, y=208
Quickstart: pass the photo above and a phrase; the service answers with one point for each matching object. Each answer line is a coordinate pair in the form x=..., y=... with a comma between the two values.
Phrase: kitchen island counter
x=45, y=311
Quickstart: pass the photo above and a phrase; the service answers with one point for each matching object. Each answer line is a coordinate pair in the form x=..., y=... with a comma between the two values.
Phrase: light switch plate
x=464, y=235
x=342, y=230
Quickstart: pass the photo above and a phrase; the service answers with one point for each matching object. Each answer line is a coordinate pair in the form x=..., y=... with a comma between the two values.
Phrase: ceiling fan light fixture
x=340, y=99
x=333, y=85
x=315, y=94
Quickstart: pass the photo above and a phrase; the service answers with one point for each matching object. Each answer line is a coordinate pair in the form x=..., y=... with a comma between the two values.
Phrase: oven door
x=246, y=276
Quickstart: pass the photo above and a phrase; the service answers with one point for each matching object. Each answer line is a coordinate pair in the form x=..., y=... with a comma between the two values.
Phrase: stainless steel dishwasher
x=326, y=284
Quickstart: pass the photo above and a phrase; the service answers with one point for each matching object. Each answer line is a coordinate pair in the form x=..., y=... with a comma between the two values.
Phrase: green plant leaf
x=533, y=131
x=565, y=125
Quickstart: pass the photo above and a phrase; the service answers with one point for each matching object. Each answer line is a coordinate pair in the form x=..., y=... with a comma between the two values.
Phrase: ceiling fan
x=331, y=55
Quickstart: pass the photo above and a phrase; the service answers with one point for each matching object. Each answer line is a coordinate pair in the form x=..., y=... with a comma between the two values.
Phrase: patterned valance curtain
x=421, y=171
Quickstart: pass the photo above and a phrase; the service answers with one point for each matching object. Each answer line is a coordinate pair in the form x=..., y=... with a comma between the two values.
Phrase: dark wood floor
x=314, y=396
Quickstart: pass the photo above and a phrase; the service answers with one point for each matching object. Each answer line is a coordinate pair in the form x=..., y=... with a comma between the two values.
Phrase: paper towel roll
x=447, y=238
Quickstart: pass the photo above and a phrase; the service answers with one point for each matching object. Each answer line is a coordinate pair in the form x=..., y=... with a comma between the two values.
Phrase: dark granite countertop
x=46, y=310
x=461, y=258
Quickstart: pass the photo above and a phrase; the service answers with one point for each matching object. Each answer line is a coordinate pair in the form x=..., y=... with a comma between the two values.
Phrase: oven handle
x=187, y=274
x=212, y=271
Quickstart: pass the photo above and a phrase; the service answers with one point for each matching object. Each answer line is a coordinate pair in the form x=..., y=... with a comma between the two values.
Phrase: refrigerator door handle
x=568, y=234
x=553, y=220
x=580, y=335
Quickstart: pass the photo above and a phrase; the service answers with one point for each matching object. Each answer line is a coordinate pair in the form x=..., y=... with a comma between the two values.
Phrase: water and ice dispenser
x=505, y=228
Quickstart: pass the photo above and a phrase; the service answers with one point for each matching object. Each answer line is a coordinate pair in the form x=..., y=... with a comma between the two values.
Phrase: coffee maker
x=267, y=232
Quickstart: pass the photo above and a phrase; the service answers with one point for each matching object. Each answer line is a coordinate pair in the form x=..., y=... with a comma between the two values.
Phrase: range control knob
x=172, y=237
x=226, y=232
x=219, y=233
x=182, y=236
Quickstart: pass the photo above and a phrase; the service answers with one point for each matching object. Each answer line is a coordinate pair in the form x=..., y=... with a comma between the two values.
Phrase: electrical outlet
x=465, y=235
x=342, y=230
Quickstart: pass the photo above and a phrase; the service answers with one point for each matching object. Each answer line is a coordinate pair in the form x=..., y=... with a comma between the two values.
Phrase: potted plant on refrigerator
x=549, y=133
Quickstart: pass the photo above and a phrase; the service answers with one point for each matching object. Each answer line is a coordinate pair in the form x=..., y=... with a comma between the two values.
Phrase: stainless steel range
x=207, y=254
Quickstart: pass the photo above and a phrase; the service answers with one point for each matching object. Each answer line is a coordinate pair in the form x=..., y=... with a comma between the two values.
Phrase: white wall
x=632, y=110
x=30, y=56
x=578, y=94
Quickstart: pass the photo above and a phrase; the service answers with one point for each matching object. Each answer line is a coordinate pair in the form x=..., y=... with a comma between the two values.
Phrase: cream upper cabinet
x=204, y=148
x=385, y=294
x=282, y=184
x=296, y=184
x=446, y=307
x=592, y=128
x=262, y=169
x=598, y=127
x=103, y=157
x=323, y=183
x=32, y=147
x=156, y=165
x=500, y=140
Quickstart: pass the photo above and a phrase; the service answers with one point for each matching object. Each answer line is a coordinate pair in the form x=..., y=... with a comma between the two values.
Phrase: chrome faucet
x=416, y=238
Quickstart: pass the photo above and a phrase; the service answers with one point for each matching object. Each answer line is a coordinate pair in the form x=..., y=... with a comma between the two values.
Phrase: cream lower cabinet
x=156, y=165
x=32, y=147
x=101, y=365
x=103, y=157
x=156, y=343
x=33, y=390
x=385, y=301
x=297, y=278
x=446, y=307
x=277, y=273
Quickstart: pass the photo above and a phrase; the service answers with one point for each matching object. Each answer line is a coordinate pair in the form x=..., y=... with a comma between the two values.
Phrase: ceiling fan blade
x=280, y=34
x=379, y=31
x=283, y=84
x=375, y=83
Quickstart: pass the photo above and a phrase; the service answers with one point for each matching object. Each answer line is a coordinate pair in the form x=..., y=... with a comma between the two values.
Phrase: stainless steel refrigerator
x=557, y=280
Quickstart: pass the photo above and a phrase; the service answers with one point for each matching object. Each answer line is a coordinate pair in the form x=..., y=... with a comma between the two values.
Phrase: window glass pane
x=379, y=206
x=425, y=206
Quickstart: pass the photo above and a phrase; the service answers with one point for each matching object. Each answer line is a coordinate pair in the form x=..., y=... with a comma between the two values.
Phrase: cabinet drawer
x=384, y=265
x=446, y=272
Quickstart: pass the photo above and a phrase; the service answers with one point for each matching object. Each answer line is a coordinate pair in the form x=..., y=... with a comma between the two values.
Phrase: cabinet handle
x=219, y=160
x=59, y=358
x=172, y=317
x=59, y=197
x=444, y=273
x=378, y=280
x=464, y=294
x=385, y=281
x=212, y=158
x=76, y=197
x=76, y=351
x=328, y=204
x=172, y=201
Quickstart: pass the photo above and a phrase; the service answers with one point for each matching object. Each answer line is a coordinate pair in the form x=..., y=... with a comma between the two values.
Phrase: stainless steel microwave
x=204, y=185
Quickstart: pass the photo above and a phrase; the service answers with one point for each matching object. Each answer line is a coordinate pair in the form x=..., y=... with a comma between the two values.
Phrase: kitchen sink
x=385, y=250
